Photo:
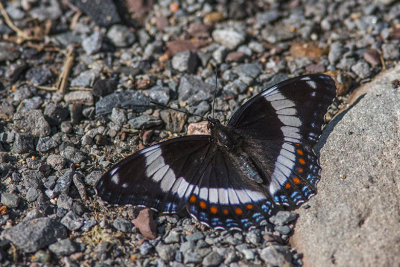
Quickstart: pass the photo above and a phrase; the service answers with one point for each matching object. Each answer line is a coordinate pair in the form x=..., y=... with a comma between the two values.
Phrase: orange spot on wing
x=287, y=186
x=302, y=161
x=249, y=206
x=300, y=170
x=214, y=210
x=296, y=180
x=297, y=144
x=300, y=152
x=225, y=211
x=238, y=211
x=192, y=199
x=203, y=205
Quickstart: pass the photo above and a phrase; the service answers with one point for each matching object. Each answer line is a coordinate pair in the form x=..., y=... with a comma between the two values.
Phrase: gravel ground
x=76, y=79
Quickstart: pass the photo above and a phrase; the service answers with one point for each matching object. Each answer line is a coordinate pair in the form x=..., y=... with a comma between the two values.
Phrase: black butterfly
x=239, y=175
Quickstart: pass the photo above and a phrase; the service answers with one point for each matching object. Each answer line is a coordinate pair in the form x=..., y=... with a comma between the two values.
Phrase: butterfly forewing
x=291, y=115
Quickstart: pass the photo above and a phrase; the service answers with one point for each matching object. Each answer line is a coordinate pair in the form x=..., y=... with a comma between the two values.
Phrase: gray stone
x=283, y=229
x=63, y=183
x=49, y=11
x=229, y=37
x=121, y=36
x=186, y=61
x=266, y=17
x=193, y=90
x=32, y=235
x=144, y=122
x=72, y=221
x=8, y=52
x=38, y=76
x=45, y=144
x=188, y=245
x=192, y=257
x=248, y=69
x=335, y=52
x=84, y=79
x=354, y=218
x=276, y=255
x=103, y=13
x=277, y=33
x=87, y=225
x=118, y=116
x=56, y=161
x=166, y=252
x=23, y=143
x=92, y=44
x=73, y=154
x=131, y=99
x=195, y=236
x=55, y=113
x=32, y=194
x=32, y=121
x=253, y=237
x=64, y=202
x=172, y=237
x=249, y=254
x=10, y=200
x=160, y=94
x=32, y=103
x=212, y=259
x=361, y=69
x=283, y=217
x=145, y=248
x=63, y=247
x=391, y=51
x=122, y=225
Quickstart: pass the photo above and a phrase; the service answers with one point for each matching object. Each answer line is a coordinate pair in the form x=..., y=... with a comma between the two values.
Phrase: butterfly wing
x=160, y=177
x=280, y=126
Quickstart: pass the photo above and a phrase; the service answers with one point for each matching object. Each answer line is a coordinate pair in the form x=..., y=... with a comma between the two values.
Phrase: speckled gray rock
x=32, y=121
x=122, y=225
x=166, y=252
x=212, y=259
x=354, y=218
x=193, y=90
x=276, y=255
x=92, y=44
x=10, y=200
x=72, y=221
x=121, y=36
x=63, y=247
x=186, y=61
x=23, y=143
x=172, y=237
x=32, y=235
x=144, y=122
x=128, y=99
x=229, y=37
x=45, y=144
x=361, y=69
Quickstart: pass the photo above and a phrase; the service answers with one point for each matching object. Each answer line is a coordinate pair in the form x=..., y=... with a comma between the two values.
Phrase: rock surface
x=354, y=219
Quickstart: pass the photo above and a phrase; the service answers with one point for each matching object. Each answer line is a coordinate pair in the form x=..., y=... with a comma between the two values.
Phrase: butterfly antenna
x=176, y=109
x=215, y=92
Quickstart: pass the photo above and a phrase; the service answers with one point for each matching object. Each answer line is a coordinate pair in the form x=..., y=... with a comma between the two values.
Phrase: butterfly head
x=220, y=134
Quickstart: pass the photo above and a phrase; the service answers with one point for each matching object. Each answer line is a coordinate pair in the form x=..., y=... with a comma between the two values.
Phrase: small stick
x=62, y=81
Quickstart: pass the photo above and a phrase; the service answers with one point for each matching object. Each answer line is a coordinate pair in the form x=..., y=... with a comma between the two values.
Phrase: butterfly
x=242, y=173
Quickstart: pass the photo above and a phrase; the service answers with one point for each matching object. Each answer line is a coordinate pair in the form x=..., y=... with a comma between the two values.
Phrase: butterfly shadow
x=331, y=125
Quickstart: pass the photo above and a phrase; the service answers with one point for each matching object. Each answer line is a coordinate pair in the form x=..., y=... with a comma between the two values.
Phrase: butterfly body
x=241, y=173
